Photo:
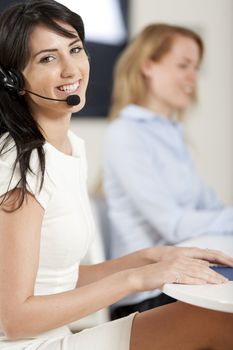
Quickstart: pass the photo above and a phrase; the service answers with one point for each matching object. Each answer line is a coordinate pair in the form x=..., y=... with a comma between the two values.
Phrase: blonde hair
x=152, y=43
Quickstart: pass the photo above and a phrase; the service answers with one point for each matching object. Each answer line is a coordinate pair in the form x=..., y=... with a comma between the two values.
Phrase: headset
x=12, y=81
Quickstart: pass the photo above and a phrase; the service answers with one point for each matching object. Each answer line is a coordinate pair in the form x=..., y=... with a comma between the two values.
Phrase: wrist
x=154, y=254
x=131, y=281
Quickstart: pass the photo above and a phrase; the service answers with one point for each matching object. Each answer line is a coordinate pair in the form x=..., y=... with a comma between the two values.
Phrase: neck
x=55, y=132
x=158, y=107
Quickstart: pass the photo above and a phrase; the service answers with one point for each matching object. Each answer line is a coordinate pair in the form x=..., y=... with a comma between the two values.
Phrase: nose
x=192, y=75
x=68, y=68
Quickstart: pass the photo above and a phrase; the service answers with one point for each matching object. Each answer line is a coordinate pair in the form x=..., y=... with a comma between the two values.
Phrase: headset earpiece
x=11, y=80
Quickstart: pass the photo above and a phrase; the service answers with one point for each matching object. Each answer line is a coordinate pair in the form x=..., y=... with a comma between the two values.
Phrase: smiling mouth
x=188, y=90
x=69, y=88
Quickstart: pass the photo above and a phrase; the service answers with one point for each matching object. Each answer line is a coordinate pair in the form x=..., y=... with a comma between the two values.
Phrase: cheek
x=86, y=70
x=161, y=83
x=40, y=79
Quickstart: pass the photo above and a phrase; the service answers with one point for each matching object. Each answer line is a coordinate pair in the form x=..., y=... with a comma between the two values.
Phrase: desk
x=215, y=297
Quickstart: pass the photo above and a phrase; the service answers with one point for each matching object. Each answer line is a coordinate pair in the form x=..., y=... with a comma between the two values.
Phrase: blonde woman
x=154, y=194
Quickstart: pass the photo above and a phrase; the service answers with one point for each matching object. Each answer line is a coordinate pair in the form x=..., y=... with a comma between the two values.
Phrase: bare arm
x=143, y=257
x=23, y=314
x=91, y=273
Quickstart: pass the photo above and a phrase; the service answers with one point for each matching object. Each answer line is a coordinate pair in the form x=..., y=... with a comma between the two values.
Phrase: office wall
x=210, y=124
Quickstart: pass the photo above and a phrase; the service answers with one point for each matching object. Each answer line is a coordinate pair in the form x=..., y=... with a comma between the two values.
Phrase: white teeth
x=69, y=88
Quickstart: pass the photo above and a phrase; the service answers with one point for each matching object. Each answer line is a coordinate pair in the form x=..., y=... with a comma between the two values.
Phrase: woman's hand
x=179, y=269
x=168, y=252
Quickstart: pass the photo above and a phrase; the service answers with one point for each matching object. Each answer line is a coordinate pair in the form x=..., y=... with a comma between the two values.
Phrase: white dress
x=67, y=231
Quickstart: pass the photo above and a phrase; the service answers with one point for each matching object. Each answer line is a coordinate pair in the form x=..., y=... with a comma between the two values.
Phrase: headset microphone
x=13, y=81
x=71, y=100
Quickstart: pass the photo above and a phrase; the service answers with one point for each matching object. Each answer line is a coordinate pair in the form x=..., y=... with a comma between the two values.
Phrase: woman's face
x=171, y=81
x=58, y=67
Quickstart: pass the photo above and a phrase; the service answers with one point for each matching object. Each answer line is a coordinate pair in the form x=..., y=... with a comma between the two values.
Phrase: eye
x=76, y=49
x=183, y=65
x=47, y=59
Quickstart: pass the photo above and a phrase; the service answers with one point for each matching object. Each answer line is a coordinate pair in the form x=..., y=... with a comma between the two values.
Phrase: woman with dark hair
x=45, y=221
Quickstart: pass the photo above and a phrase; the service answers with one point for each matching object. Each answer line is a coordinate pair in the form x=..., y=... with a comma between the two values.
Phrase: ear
x=146, y=68
x=21, y=93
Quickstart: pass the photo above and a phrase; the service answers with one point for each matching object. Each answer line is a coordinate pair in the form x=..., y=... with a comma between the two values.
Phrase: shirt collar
x=136, y=112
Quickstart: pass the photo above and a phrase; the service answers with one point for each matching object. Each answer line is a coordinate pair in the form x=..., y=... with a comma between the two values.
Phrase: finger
x=219, y=257
x=200, y=263
x=206, y=274
x=184, y=278
x=196, y=268
x=211, y=255
x=189, y=261
x=193, y=280
x=199, y=279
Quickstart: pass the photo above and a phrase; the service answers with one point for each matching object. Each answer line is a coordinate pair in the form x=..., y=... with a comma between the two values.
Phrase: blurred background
x=110, y=24
x=210, y=124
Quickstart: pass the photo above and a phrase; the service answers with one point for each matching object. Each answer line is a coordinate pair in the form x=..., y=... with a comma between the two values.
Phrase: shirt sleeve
x=140, y=178
x=10, y=177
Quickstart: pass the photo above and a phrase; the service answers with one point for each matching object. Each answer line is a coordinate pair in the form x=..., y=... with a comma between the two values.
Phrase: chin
x=78, y=108
x=181, y=105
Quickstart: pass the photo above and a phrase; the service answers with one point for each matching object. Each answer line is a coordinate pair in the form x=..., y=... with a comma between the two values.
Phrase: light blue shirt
x=153, y=192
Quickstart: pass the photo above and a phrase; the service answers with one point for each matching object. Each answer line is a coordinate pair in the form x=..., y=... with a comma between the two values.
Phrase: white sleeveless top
x=67, y=228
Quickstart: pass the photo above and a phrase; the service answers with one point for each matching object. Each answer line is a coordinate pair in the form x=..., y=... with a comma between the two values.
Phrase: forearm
x=92, y=273
x=39, y=314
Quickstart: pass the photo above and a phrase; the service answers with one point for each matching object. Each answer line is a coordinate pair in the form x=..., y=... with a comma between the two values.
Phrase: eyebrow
x=54, y=50
x=188, y=60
